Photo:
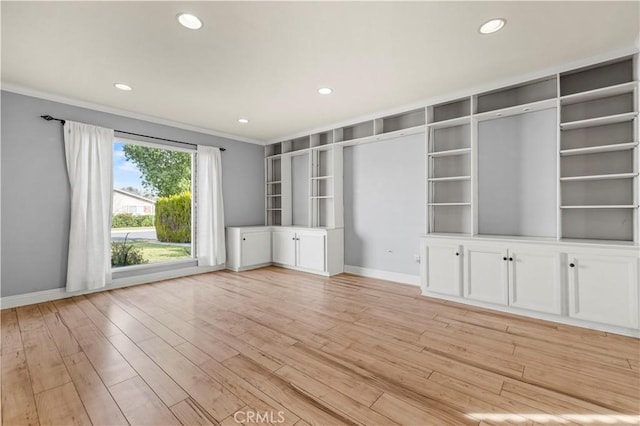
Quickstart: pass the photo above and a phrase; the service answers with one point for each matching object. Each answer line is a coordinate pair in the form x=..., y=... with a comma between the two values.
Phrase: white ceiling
x=266, y=60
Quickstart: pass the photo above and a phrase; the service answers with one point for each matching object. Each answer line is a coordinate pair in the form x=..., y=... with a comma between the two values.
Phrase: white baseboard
x=31, y=298
x=61, y=293
x=383, y=275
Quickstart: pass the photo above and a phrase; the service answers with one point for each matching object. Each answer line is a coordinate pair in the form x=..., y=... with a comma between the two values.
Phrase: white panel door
x=604, y=289
x=486, y=274
x=284, y=247
x=443, y=268
x=311, y=250
x=256, y=248
x=535, y=279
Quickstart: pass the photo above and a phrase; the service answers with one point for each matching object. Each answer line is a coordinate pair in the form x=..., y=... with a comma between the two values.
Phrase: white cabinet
x=486, y=273
x=313, y=250
x=522, y=276
x=284, y=247
x=248, y=248
x=535, y=278
x=603, y=288
x=593, y=285
x=442, y=268
x=308, y=249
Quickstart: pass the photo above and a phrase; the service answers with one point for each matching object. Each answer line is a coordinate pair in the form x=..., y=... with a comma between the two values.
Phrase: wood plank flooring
x=282, y=347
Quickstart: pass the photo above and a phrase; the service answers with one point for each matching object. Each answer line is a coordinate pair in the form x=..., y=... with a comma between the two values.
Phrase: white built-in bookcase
x=556, y=157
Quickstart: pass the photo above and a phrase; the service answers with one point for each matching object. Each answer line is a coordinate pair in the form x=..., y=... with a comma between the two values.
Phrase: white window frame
x=194, y=255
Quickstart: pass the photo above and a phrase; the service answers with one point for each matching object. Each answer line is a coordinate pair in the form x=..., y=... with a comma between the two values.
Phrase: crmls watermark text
x=259, y=417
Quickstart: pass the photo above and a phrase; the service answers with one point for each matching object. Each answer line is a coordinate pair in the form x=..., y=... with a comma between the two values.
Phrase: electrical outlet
x=416, y=258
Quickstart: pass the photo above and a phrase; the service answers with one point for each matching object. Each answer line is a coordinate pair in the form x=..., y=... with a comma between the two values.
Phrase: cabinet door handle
x=294, y=238
x=244, y=239
x=504, y=258
x=511, y=259
x=457, y=254
x=572, y=265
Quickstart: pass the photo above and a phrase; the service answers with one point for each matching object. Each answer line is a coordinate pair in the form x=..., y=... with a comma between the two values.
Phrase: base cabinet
x=486, y=274
x=248, y=248
x=284, y=247
x=442, y=268
x=313, y=250
x=604, y=288
x=582, y=284
x=535, y=279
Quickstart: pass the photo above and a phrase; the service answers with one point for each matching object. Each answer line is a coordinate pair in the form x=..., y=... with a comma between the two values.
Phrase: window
x=152, y=205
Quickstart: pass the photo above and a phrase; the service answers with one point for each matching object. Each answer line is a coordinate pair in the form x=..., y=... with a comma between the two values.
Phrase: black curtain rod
x=50, y=118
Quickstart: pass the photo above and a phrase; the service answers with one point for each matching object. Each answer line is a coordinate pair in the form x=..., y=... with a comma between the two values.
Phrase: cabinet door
x=604, y=289
x=535, y=279
x=256, y=248
x=284, y=247
x=443, y=268
x=485, y=274
x=311, y=250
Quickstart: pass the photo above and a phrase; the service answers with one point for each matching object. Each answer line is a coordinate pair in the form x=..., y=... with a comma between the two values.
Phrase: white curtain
x=210, y=225
x=88, y=151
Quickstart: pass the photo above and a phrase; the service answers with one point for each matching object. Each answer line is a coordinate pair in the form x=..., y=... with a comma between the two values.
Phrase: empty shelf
x=599, y=177
x=598, y=149
x=449, y=204
x=450, y=152
x=616, y=206
x=321, y=197
x=321, y=177
x=449, y=179
x=459, y=121
x=274, y=182
x=603, y=92
x=598, y=121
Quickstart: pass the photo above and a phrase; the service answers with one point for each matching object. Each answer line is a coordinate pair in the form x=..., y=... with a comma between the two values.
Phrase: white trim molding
x=397, y=277
x=61, y=293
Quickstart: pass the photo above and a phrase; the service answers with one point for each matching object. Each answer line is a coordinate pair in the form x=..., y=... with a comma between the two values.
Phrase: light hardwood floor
x=292, y=348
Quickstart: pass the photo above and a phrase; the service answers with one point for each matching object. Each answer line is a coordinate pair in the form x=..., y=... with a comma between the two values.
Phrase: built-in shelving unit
x=553, y=157
x=273, y=191
x=599, y=151
x=449, y=167
x=325, y=200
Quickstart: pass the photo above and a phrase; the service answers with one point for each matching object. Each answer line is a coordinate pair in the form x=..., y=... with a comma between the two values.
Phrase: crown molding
x=21, y=90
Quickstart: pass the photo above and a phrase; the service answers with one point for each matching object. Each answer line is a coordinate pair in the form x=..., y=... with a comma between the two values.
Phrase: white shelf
x=601, y=207
x=274, y=182
x=515, y=110
x=598, y=149
x=449, y=179
x=321, y=177
x=460, y=121
x=449, y=204
x=272, y=210
x=603, y=92
x=598, y=121
x=320, y=197
x=274, y=195
x=599, y=177
x=451, y=152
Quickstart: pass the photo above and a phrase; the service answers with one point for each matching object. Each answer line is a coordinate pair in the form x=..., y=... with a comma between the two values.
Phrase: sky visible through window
x=125, y=173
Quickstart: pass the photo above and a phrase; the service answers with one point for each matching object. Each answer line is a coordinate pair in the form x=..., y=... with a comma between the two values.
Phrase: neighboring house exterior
x=127, y=202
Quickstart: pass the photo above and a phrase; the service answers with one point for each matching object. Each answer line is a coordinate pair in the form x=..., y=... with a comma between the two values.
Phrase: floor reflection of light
x=558, y=418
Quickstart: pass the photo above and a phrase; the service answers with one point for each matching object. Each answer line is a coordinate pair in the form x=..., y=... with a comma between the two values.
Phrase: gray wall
x=300, y=190
x=384, y=205
x=35, y=189
x=517, y=175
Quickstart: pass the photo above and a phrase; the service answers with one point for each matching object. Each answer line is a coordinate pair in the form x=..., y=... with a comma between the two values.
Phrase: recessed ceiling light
x=190, y=21
x=243, y=120
x=492, y=26
x=123, y=86
x=325, y=90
